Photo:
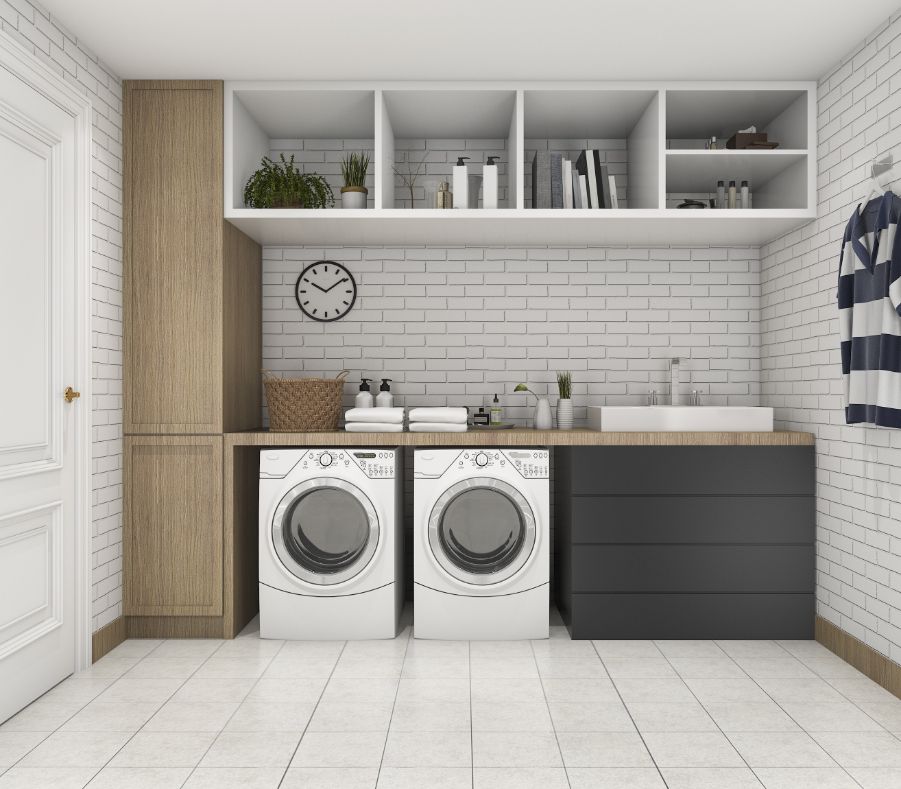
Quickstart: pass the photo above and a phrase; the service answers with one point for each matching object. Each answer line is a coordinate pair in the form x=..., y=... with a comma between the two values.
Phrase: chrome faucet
x=674, y=381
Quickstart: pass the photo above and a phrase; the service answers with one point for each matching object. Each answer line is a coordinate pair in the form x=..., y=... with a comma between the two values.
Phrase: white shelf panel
x=698, y=171
x=459, y=227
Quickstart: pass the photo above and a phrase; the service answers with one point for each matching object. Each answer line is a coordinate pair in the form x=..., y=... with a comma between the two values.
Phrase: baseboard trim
x=176, y=627
x=876, y=666
x=107, y=638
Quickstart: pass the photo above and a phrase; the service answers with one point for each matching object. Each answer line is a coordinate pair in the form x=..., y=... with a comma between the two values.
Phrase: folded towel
x=452, y=415
x=374, y=427
x=437, y=427
x=378, y=414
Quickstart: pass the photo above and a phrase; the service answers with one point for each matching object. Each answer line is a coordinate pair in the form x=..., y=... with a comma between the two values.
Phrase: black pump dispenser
x=460, y=162
x=364, y=384
x=492, y=160
x=384, y=387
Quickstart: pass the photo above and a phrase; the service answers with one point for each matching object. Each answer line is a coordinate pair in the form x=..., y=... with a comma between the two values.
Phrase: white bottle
x=384, y=399
x=364, y=396
x=745, y=195
x=489, y=183
x=461, y=183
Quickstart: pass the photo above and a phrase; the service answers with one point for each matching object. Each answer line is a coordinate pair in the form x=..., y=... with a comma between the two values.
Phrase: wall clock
x=325, y=291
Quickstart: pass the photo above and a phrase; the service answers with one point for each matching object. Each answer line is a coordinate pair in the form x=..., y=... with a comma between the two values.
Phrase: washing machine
x=330, y=543
x=481, y=537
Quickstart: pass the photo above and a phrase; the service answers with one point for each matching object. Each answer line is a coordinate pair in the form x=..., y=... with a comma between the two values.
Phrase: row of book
x=558, y=182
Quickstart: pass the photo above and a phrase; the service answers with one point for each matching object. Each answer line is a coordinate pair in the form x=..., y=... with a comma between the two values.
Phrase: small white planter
x=543, y=419
x=354, y=196
x=564, y=414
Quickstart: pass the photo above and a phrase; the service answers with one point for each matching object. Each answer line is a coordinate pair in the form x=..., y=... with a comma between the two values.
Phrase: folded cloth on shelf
x=377, y=414
x=437, y=427
x=452, y=415
x=374, y=427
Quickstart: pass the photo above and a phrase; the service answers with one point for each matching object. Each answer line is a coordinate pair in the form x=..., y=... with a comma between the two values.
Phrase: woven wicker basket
x=303, y=404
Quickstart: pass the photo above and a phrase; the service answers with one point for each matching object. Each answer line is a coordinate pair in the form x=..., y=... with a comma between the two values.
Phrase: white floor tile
x=47, y=777
x=590, y=716
x=351, y=716
x=187, y=648
x=500, y=649
x=251, y=749
x=436, y=668
x=563, y=648
x=235, y=778
x=520, y=778
x=432, y=716
x=270, y=716
x=520, y=749
x=504, y=668
x=511, y=716
x=222, y=690
x=784, y=691
x=570, y=668
x=735, y=716
x=782, y=749
x=627, y=649
x=112, y=716
x=287, y=668
x=563, y=689
x=805, y=778
x=707, y=668
x=659, y=689
x=629, y=668
x=785, y=667
x=75, y=749
x=340, y=749
x=140, y=778
x=689, y=649
x=154, y=668
x=427, y=690
x=877, y=777
x=191, y=716
x=594, y=749
x=78, y=690
x=506, y=689
x=805, y=649
x=427, y=749
x=330, y=778
x=135, y=648
x=371, y=691
x=15, y=744
x=885, y=713
x=233, y=668
x=831, y=667
x=861, y=749
x=614, y=778
x=860, y=689
x=663, y=716
x=691, y=749
x=136, y=690
x=420, y=777
x=843, y=716
x=42, y=715
x=266, y=689
x=716, y=690
x=710, y=778
x=752, y=649
x=249, y=648
x=362, y=668
x=109, y=666
x=164, y=749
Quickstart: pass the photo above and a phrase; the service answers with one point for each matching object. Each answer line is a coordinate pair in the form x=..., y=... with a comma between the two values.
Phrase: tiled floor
x=440, y=715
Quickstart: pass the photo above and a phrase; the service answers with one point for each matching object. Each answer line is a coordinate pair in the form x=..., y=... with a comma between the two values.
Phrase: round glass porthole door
x=482, y=531
x=325, y=531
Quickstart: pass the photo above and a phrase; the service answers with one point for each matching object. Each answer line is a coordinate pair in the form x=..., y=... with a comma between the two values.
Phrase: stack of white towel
x=438, y=420
x=374, y=420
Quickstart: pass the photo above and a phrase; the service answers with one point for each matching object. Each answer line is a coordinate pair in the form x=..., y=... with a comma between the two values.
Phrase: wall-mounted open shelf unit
x=651, y=136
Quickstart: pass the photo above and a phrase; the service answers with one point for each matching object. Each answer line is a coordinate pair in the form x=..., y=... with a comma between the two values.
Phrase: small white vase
x=564, y=414
x=354, y=196
x=543, y=420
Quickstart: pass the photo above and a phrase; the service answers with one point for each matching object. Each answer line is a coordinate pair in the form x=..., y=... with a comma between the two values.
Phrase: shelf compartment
x=778, y=178
x=438, y=126
x=317, y=126
x=622, y=125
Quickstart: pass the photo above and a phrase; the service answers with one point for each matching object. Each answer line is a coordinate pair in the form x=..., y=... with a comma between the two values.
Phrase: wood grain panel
x=172, y=301
x=108, y=638
x=242, y=492
x=173, y=539
x=882, y=670
x=516, y=437
x=175, y=627
x=242, y=327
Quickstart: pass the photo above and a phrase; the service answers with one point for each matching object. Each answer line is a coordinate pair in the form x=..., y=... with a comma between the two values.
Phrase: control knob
x=481, y=459
x=325, y=459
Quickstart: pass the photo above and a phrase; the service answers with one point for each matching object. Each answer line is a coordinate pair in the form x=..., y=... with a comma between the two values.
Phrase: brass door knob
x=70, y=394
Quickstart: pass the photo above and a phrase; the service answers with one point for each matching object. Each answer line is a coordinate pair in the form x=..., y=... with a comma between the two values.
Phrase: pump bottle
x=384, y=399
x=364, y=396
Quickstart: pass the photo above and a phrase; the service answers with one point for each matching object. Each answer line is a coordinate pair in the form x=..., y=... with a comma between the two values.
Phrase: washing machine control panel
x=531, y=463
x=375, y=463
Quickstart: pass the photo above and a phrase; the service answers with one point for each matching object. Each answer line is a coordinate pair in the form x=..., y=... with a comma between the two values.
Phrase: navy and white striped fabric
x=869, y=304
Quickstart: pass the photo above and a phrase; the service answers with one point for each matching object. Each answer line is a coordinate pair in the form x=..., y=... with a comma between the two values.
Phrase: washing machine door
x=482, y=531
x=325, y=531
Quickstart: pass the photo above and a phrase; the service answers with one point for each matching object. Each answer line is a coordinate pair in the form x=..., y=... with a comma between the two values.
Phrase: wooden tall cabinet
x=192, y=356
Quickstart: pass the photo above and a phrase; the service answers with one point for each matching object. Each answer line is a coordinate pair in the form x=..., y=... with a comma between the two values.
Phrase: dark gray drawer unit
x=685, y=542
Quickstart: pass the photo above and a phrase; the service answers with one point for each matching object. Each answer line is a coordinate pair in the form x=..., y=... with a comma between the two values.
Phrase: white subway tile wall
x=858, y=468
x=454, y=326
x=41, y=34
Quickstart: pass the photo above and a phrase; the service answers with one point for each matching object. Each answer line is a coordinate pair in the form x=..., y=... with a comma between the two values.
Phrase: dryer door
x=325, y=531
x=482, y=531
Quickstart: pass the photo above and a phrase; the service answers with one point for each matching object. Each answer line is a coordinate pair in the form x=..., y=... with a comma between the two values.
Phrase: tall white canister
x=461, y=183
x=489, y=183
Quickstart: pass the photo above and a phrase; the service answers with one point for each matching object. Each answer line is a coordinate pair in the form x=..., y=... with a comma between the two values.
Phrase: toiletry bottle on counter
x=481, y=419
x=732, y=194
x=364, y=396
x=489, y=183
x=497, y=413
x=745, y=195
x=444, y=198
x=384, y=399
x=461, y=183
x=720, y=194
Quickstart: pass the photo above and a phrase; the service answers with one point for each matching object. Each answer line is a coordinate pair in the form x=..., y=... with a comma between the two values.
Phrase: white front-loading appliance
x=481, y=537
x=330, y=543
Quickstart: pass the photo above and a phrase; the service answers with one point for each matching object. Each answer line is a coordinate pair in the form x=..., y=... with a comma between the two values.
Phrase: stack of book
x=557, y=182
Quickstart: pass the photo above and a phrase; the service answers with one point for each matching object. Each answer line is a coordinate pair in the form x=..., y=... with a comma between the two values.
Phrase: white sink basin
x=675, y=418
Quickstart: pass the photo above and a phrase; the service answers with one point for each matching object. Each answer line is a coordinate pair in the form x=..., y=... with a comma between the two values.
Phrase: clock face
x=325, y=291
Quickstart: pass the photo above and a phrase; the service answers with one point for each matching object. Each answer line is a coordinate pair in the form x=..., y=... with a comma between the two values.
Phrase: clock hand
x=324, y=290
x=334, y=285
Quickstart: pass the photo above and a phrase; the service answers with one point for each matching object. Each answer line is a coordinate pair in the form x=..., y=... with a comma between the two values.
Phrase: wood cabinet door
x=173, y=529
x=172, y=302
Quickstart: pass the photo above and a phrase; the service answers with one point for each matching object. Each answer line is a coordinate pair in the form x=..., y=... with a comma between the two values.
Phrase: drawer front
x=695, y=470
x=703, y=616
x=693, y=519
x=693, y=568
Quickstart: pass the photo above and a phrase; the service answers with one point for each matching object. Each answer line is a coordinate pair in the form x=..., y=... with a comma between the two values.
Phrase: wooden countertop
x=515, y=437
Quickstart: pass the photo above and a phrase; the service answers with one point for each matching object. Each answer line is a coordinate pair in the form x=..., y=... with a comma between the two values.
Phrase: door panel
x=173, y=526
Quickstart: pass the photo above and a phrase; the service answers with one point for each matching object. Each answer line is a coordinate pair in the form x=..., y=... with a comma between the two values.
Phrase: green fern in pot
x=282, y=185
x=354, y=167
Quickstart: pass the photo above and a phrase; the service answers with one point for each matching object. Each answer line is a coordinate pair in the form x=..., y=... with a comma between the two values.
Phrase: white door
x=41, y=227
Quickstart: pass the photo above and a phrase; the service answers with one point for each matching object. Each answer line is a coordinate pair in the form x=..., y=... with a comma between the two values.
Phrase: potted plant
x=354, y=191
x=542, y=409
x=282, y=185
x=565, y=403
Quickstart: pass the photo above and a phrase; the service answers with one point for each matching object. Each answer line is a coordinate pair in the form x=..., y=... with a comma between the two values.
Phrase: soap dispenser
x=489, y=183
x=497, y=413
x=364, y=396
x=461, y=183
x=384, y=399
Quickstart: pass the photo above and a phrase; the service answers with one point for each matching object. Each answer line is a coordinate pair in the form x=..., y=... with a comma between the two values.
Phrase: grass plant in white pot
x=565, y=403
x=354, y=192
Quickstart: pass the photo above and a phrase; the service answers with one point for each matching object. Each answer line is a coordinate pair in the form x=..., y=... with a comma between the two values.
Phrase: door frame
x=33, y=72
